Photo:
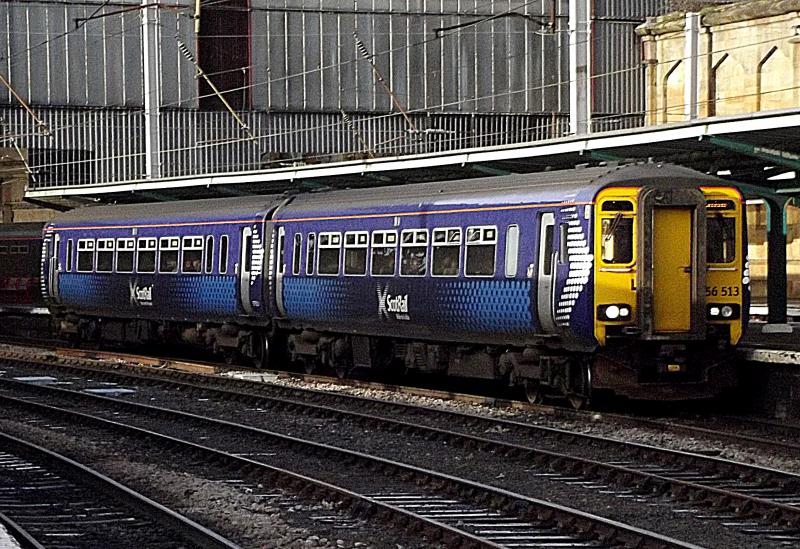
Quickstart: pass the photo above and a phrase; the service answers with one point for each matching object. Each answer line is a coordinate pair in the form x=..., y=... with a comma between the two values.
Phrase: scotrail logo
x=388, y=303
x=141, y=296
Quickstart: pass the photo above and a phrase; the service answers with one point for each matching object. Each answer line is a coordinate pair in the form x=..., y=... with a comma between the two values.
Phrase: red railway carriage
x=20, y=264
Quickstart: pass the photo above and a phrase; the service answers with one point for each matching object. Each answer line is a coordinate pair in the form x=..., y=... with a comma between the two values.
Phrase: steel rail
x=24, y=539
x=581, y=523
x=183, y=527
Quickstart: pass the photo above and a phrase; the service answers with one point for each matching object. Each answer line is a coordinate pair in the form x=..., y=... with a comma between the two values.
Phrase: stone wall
x=13, y=178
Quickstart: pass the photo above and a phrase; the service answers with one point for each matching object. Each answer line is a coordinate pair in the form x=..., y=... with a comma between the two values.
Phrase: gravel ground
x=252, y=515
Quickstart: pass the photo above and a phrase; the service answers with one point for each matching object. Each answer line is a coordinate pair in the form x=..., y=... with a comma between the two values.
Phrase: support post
x=152, y=89
x=776, y=263
x=580, y=41
x=691, y=63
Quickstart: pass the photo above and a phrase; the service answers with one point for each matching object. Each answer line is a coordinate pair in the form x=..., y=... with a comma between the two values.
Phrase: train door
x=245, y=270
x=672, y=272
x=280, y=268
x=546, y=272
x=52, y=249
x=672, y=278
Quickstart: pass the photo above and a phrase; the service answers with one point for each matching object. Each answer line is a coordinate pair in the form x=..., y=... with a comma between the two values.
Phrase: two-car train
x=631, y=279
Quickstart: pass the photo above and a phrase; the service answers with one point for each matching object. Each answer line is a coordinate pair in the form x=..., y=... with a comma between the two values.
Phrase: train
x=20, y=264
x=624, y=279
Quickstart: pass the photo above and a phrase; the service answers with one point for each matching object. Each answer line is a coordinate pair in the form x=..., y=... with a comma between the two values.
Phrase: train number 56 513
x=722, y=291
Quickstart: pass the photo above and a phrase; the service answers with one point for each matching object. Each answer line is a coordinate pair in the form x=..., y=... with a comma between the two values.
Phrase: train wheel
x=534, y=391
x=578, y=402
x=581, y=388
x=260, y=350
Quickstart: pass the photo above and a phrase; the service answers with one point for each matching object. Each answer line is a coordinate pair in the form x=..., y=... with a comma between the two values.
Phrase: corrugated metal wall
x=468, y=72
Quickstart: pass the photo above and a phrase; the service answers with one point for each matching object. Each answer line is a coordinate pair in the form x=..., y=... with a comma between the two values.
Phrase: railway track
x=754, y=501
x=48, y=500
x=459, y=512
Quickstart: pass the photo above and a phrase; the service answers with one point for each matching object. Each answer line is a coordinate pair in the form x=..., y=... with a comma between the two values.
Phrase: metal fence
x=85, y=146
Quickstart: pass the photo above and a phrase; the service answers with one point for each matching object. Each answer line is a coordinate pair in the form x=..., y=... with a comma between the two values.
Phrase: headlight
x=614, y=312
x=723, y=311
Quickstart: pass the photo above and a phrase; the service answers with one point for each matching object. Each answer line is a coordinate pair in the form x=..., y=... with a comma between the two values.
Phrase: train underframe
x=640, y=370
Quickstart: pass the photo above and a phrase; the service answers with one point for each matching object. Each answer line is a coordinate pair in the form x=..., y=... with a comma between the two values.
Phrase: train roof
x=21, y=230
x=182, y=210
x=580, y=184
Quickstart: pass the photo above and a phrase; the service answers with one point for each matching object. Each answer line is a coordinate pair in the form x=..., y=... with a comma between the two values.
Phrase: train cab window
x=414, y=252
x=481, y=247
x=209, y=266
x=69, y=255
x=355, y=253
x=85, y=255
x=296, y=251
x=125, y=248
x=721, y=239
x=192, y=254
x=311, y=251
x=146, y=258
x=223, y=254
x=617, y=240
x=330, y=248
x=384, y=253
x=168, y=248
x=446, y=252
x=512, y=250
x=105, y=255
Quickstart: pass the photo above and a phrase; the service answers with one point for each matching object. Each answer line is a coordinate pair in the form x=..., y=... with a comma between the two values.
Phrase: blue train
x=631, y=279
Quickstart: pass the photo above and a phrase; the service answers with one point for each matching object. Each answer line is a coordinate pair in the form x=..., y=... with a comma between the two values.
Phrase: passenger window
x=69, y=255
x=481, y=247
x=414, y=252
x=168, y=248
x=209, y=254
x=384, y=253
x=223, y=254
x=617, y=240
x=563, y=249
x=446, y=252
x=146, y=259
x=296, y=251
x=355, y=253
x=105, y=255
x=330, y=245
x=311, y=251
x=192, y=254
x=512, y=250
x=85, y=255
x=721, y=239
x=4, y=250
x=125, y=248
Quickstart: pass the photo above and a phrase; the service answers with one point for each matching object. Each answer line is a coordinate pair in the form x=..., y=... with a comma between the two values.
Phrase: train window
x=298, y=248
x=192, y=254
x=481, y=248
x=446, y=252
x=209, y=267
x=168, y=248
x=547, y=247
x=281, y=252
x=384, y=253
x=69, y=255
x=20, y=249
x=85, y=255
x=330, y=247
x=311, y=250
x=512, y=250
x=105, y=255
x=3, y=250
x=414, y=252
x=146, y=255
x=617, y=206
x=617, y=240
x=563, y=249
x=355, y=253
x=223, y=254
x=721, y=239
x=125, y=248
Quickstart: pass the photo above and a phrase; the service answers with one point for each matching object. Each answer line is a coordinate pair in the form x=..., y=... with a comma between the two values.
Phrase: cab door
x=245, y=270
x=546, y=273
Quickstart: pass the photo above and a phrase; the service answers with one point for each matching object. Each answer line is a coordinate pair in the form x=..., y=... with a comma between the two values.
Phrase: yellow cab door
x=672, y=272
